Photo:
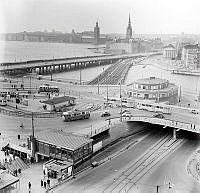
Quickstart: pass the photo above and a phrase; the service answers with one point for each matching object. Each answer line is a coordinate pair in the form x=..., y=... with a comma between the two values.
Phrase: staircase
x=15, y=164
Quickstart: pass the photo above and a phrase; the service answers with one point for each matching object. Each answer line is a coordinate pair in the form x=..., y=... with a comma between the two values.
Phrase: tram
x=75, y=115
x=154, y=107
x=48, y=88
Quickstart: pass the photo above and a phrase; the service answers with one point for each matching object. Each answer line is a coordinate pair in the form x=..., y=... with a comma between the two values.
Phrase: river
x=11, y=51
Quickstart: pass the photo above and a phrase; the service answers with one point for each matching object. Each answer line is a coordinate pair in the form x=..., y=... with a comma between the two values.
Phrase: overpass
x=180, y=118
x=66, y=64
x=177, y=125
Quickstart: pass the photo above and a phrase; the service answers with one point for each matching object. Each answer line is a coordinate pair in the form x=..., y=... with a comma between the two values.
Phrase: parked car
x=159, y=115
x=105, y=114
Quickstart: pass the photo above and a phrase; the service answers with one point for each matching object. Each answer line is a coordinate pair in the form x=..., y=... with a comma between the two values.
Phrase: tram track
x=127, y=180
x=114, y=74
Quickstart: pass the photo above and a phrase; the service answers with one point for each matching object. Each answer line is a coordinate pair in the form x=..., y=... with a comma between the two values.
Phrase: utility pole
x=120, y=100
x=32, y=116
x=30, y=84
x=80, y=76
x=179, y=95
x=98, y=85
x=33, y=137
x=107, y=94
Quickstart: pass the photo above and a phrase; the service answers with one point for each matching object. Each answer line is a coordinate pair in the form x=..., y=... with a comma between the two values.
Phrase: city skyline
x=147, y=16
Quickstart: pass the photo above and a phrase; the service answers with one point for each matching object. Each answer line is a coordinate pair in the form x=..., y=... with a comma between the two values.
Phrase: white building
x=59, y=102
x=152, y=88
x=169, y=52
x=191, y=56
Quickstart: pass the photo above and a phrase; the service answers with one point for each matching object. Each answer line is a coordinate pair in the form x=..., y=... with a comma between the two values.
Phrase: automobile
x=195, y=111
x=126, y=114
x=94, y=164
x=159, y=115
x=123, y=111
x=105, y=114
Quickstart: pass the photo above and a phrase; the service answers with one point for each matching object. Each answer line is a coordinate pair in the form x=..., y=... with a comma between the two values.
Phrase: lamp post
x=80, y=75
x=120, y=100
x=98, y=85
x=30, y=85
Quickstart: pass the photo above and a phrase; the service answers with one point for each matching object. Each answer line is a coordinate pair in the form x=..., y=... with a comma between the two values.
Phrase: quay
x=61, y=65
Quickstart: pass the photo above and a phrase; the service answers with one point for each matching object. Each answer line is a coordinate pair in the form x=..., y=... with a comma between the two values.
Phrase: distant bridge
x=66, y=64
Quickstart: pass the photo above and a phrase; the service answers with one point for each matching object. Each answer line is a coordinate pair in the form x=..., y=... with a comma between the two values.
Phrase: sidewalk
x=34, y=175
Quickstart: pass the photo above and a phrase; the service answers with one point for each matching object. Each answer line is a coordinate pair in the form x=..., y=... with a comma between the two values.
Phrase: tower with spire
x=97, y=33
x=129, y=31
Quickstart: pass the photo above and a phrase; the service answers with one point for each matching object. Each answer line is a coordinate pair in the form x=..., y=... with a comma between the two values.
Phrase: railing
x=166, y=122
x=29, y=114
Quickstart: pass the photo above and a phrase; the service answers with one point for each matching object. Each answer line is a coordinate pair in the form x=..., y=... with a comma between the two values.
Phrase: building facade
x=155, y=89
x=57, y=144
x=169, y=52
x=97, y=33
x=58, y=103
x=191, y=56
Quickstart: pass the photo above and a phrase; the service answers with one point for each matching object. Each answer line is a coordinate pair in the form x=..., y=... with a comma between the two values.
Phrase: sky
x=147, y=16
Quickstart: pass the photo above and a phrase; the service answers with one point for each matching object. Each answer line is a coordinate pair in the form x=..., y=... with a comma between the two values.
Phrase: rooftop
x=62, y=139
x=192, y=46
x=150, y=81
x=169, y=46
x=6, y=180
x=58, y=100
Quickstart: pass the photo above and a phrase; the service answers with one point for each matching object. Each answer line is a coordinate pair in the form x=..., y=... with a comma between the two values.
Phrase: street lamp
x=120, y=100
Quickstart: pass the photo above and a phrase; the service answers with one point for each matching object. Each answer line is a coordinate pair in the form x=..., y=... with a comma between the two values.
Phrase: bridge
x=65, y=64
x=181, y=118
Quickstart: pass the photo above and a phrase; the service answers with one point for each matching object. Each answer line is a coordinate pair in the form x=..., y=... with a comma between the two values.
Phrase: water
x=11, y=51
x=15, y=51
x=87, y=74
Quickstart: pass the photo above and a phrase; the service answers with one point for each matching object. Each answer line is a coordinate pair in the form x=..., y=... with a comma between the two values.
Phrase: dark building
x=96, y=33
x=129, y=32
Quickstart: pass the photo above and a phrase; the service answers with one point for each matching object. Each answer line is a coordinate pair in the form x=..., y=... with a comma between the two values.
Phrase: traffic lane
x=174, y=170
x=97, y=179
x=187, y=117
x=11, y=125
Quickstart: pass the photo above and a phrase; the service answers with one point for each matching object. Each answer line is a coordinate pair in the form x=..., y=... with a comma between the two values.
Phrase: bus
x=154, y=107
x=75, y=115
x=48, y=88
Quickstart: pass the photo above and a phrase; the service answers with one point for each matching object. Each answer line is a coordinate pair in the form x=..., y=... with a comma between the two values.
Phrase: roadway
x=117, y=172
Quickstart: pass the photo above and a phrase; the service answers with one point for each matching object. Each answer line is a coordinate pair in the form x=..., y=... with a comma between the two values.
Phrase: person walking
x=41, y=182
x=45, y=184
x=48, y=183
x=29, y=185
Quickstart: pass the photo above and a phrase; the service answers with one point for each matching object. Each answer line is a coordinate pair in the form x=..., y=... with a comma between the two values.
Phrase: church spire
x=129, y=29
x=129, y=20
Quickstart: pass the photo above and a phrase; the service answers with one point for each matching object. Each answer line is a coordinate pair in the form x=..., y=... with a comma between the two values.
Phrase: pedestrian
x=41, y=182
x=19, y=170
x=29, y=185
x=48, y=182
x=45, y=184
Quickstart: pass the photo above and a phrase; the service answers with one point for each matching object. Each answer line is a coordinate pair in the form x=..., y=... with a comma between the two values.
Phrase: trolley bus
x=154, y=107
x=48, y=88
x=75, y=115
